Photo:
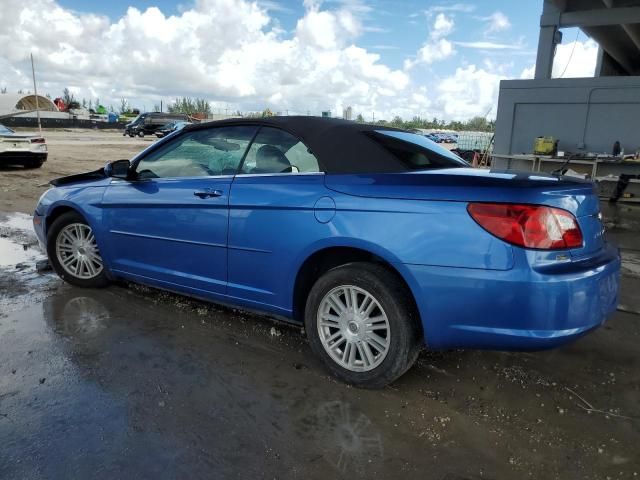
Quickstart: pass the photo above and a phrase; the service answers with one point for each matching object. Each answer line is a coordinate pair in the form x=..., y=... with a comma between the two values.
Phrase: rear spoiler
x=94, y=175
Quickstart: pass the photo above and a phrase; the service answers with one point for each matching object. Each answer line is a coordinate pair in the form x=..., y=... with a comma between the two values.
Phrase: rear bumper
x=10, y=157
x=519, y=309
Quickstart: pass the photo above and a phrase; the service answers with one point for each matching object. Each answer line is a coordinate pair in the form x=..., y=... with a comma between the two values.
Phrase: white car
x=27, y=150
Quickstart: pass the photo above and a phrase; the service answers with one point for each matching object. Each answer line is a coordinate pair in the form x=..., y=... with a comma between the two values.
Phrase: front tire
x=360, y=321
x=73, y=252
x=34, y=163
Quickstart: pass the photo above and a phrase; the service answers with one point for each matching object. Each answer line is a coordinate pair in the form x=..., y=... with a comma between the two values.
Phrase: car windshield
x=140, y=118
x=5, y=131
x=417, y=152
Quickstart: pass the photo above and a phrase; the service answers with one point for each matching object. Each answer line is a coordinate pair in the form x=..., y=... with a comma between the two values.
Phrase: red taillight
x=37, y=140
x=529, y=226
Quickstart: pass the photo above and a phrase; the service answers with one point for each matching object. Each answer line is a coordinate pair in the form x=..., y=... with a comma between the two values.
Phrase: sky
x=383, y=58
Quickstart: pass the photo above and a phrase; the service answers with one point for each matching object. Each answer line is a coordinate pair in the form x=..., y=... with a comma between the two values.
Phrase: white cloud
x=497, y=22
x=384, y=47
x=442, y=26
x=470, y=91
x=528, y=73
x=437, y=47
x=575, y=59
x=274, y=6
x=432, y=51
x=455, y=7
x=225, y=50
x=489, y=45
x=235, y=54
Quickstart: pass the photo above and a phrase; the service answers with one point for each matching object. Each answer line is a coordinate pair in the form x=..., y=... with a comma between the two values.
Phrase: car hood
x=88, y=177
x=472, y=185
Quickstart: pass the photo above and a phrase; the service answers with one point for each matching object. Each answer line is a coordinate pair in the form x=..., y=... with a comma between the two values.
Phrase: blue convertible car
x=377, y=240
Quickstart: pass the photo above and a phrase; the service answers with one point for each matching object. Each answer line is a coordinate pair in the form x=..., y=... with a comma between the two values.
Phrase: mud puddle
x=631, y=263
x=131, y=382
x=20, y=282
x=18, y=243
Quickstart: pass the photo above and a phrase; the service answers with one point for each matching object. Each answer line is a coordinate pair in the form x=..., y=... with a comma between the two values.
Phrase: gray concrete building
x=585, y=115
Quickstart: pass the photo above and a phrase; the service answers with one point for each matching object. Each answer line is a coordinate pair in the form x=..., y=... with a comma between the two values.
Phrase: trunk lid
x=18, y=139
x=15, y=143
x=474, y=185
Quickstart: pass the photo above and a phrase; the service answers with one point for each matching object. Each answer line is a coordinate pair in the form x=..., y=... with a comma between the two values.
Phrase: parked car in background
x=433, y=137
x=170, y=128
x=442, y=137
x=148, y=123
x=377, y=240
x=27, y=150
x=451, y=138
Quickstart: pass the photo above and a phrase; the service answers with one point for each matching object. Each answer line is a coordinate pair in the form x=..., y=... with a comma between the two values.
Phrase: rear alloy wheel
x=73, y=252
x=353, y=328
x=360, y=322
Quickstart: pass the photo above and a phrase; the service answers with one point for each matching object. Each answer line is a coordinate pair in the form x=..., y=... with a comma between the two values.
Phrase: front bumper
x=39, y=228
x=519, y=309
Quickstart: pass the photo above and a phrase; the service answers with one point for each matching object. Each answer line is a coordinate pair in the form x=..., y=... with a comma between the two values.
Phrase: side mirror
x=118, y=169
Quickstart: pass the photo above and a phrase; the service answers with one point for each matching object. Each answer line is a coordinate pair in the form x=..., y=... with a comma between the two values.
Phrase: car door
x=169, y=224
x=272, y=218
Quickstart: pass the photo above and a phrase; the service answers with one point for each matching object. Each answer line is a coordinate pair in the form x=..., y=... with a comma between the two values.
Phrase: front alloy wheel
x=77, y=251
x=73, y=251
x=361, y=322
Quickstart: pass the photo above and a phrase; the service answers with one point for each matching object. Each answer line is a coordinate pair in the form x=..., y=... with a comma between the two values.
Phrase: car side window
x=277, y=151
x=199, y=153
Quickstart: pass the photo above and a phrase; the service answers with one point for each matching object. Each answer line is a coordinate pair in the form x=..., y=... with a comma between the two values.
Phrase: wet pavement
x=129, y=382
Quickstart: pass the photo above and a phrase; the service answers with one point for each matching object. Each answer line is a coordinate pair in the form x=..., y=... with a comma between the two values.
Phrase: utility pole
x=374, y=117
x=35, y=89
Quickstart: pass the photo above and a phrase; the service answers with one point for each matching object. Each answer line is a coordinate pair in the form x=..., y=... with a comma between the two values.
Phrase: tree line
x=191, y=106
x=475, y=124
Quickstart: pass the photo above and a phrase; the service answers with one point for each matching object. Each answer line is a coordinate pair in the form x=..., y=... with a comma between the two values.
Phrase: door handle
x=208, y=192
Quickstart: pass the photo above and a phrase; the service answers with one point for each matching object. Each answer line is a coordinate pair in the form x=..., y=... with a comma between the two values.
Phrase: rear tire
x=73, y=252
x=372, y=344
x=34, y=163
x=141, y=134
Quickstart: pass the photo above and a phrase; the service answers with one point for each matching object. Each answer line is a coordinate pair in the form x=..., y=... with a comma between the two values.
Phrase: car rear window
x=416, y=152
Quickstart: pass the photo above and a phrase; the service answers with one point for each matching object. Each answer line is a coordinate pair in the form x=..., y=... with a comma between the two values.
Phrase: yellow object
x=544, y=145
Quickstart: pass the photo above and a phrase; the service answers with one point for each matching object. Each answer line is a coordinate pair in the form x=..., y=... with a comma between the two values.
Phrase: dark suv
x=148, y=123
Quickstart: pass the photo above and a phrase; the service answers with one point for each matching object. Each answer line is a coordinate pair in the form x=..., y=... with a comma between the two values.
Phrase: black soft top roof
x=341, y=146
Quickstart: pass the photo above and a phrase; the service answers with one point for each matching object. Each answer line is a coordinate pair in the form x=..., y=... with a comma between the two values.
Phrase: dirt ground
x=69, y=152
x=130, y=382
